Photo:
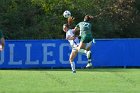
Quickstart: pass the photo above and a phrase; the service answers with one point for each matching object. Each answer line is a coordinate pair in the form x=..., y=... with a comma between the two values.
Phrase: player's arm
x=77, y=28
x=70, y=20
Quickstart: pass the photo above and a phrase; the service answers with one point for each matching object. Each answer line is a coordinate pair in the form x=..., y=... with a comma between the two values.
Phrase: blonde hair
x=65, y=25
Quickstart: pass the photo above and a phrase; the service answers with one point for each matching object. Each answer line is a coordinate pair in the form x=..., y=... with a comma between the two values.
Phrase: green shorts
x=86, y=39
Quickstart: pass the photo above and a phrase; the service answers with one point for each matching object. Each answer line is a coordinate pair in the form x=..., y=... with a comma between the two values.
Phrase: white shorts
x=74, y=47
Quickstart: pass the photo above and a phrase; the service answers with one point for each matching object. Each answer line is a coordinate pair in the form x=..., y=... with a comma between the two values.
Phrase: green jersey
x=85, y=31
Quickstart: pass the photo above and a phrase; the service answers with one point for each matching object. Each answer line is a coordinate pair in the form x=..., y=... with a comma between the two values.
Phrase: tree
x=42, y=19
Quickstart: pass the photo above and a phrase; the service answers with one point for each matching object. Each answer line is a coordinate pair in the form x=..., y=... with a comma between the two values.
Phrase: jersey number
x=86, y=25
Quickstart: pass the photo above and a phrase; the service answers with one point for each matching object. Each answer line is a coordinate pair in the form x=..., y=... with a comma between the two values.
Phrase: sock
x=88, y=54
x=73, y=66
x=89, y=60
x=82, y=51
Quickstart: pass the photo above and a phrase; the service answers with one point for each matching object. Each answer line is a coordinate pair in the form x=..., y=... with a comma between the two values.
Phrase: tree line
x=43, y=19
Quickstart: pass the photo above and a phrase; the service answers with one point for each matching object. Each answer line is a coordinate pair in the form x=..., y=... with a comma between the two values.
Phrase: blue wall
x=117, y=52
x=55, y=53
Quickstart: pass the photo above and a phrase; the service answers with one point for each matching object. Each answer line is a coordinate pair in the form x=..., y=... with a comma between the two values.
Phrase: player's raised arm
x=70, y=20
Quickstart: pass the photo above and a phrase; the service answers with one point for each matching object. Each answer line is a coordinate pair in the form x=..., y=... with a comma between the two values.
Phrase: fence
x=55, y=54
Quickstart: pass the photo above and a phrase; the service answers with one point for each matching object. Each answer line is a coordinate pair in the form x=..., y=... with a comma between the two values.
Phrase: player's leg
x=71, y=59
x=88, y=47
x=81, y=46
x=83, y=51
x=83, y=43
x=88, y=55
x=2, y=43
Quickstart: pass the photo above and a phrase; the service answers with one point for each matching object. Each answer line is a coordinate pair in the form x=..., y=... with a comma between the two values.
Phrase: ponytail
x=88, y=18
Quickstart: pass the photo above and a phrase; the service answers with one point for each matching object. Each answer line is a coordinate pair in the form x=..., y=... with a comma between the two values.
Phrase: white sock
x=82, y=51
x=88, y=54
x=73, y=66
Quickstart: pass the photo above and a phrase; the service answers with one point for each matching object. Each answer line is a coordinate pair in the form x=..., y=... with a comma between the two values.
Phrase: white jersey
x=75, y=42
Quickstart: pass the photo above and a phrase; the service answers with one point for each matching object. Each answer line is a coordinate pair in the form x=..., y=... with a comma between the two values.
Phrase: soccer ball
x=66, y=14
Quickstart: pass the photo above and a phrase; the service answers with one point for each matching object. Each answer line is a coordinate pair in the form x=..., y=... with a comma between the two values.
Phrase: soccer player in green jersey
x=2, y=41
x=86, y=36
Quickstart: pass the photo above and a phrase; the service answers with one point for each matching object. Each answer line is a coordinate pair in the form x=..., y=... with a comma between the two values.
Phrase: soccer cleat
x=74, y=71
x=89, y=65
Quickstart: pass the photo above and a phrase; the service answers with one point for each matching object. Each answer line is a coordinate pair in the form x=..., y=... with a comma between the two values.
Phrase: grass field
x=63, y=81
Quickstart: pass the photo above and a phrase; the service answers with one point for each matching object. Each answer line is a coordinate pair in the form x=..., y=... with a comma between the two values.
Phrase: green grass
x=63, y=81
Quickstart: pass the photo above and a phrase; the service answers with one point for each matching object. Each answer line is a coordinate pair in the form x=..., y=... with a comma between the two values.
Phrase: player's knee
x=71, y=60
x=78, y=49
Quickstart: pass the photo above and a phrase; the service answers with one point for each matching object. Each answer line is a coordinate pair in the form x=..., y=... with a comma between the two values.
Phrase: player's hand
x=70, y=20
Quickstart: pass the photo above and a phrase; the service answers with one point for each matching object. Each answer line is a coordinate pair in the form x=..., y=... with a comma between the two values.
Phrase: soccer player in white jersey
x=74, y=42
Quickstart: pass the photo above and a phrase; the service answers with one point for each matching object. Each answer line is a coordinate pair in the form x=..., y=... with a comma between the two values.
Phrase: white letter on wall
x=61, y=53
x=28, y=60
x=45, y=53
x=12, y=62
x=80, y=61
